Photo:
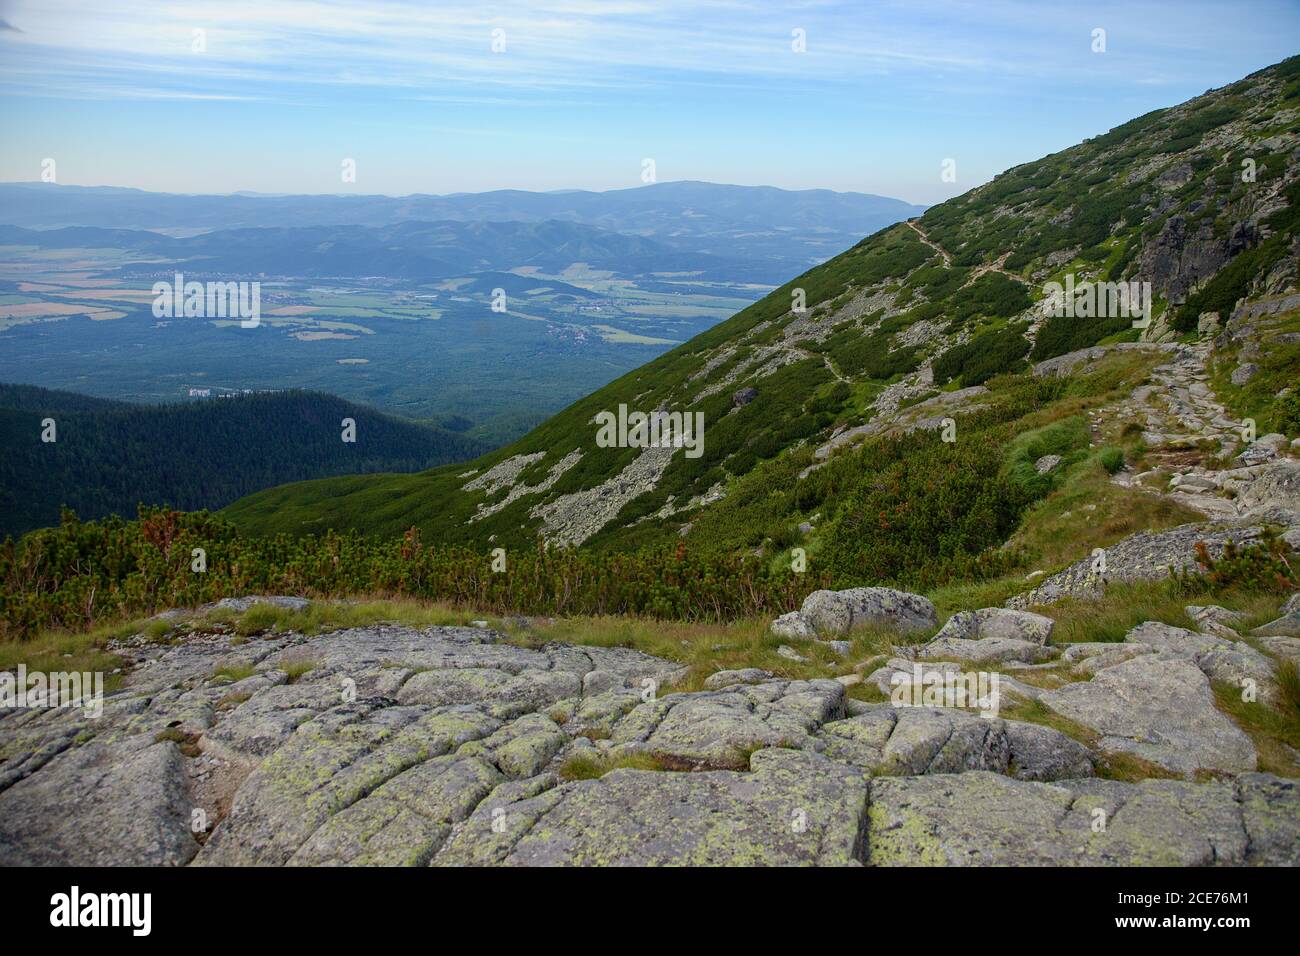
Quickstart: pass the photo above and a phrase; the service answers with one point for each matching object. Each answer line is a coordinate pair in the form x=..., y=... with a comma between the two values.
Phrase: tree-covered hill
x=107, y=457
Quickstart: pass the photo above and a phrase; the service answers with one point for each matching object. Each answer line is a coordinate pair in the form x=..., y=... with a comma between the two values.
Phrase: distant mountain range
x=744, y=223
x=108, y=456
x=414, y=251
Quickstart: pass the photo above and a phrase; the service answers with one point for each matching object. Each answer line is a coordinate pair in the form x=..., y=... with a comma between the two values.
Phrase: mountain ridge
x=918, y=312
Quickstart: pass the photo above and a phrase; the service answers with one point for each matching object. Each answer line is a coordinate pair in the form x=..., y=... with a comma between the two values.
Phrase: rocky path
x=1179, y=413
x=448, y=746
x=947, y=259
x=1240, y=487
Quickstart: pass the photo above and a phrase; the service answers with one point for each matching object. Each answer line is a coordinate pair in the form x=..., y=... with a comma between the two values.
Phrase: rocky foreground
x=448, y=746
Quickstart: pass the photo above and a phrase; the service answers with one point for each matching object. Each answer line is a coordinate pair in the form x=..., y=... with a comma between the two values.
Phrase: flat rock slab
x=1145, y=556
x=792, y=809
x=990, y=650
x=119, y=804
x=984, y=819
x=1220, y=658
x=718, y=729
x=1159, y=708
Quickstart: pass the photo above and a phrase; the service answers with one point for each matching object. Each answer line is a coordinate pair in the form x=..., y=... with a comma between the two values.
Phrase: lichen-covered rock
x=1158, y=708
x=1089, y=658
x=985, y=819
x=998, y=622
x=1220, y=659
x=326, y=766
x=794, y=625
x=904, y=741
x=1288, y=625
x=1144, y=556
x=791, y=809
x=899, y=673
x=991, y=650
x=746, y=675
x=405, y=820
x=100, y=804
x=721, y=728
x=1176, y=640
x=838, y=612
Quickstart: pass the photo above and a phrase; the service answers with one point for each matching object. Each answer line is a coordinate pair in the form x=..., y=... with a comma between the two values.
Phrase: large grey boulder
x=746, y=675
x=1159, y=708
x=898, y=674
x=794, y=625
x=1176, y=640
x=1288, y=625
x=985, y=819
x=838, y=612
x=1144, y=556
x=998, y=622
x=122, y=803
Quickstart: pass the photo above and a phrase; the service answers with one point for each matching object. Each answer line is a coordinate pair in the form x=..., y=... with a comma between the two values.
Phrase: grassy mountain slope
x=109, y=456
x=903, y=326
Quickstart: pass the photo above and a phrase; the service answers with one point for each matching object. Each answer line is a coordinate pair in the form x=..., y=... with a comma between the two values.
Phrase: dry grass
x=1275, y=730
x=1125, y=606
x=592, y=766
x=708, y=648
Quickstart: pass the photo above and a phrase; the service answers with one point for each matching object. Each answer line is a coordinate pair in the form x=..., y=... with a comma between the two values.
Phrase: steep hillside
x=107, y=457
x=823, y=403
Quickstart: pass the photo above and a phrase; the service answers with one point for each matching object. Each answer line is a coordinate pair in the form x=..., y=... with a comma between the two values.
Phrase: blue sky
x=583, y=92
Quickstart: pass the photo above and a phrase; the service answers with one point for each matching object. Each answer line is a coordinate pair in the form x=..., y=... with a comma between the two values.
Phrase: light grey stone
x=747, y=675
x=1158, y=708
x=791, y=809
x=990, y=650
x=985, y=819
x=838, y=612
x=794, y=626
x=998, y=622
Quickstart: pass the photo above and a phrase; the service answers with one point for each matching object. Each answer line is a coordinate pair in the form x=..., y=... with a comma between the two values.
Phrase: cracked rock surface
x=449, y=746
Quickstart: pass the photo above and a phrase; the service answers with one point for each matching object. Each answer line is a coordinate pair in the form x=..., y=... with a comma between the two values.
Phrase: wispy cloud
x=547, y=45
x=469, y=94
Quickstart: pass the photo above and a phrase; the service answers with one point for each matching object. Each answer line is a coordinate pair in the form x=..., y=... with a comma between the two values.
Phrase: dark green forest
x=108, y=457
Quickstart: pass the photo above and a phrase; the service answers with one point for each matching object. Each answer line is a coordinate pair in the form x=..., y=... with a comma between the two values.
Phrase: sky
x=433, y=97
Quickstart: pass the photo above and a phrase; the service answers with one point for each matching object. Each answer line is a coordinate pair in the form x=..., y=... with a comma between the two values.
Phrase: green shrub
x=986, y=355
x=1112, y=459
x=1267, y=565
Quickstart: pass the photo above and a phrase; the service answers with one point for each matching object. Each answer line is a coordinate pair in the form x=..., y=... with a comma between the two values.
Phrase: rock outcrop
x=388, y=745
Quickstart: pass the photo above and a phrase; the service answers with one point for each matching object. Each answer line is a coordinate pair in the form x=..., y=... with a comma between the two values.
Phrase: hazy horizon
x=390, y=195
x=553, y=95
